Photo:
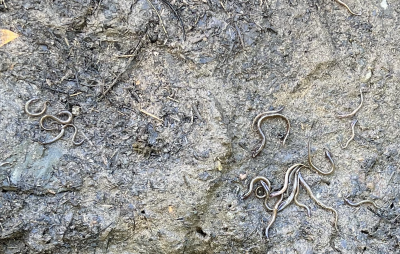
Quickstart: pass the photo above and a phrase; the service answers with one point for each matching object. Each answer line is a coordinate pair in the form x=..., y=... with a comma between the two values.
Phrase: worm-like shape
x=327, y=154
x=354, y=111
x=273, y=217
x=286, y=183
x=301, y=204
x=69, y=120
x=265, y=187
x=361, y=202
x=291, y=196
x=263, y=114
x=353, y=124
x=251, y=186
x=345, y=5
x=307, y=187
x=261, y=119
x=75, y=133
x=54, y=139
x=28, y=103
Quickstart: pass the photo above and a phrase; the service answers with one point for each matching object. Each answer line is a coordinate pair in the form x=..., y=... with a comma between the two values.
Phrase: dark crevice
x=200, y=231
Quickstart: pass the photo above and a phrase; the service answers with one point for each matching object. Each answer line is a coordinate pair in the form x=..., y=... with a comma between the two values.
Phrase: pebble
x=242, y=176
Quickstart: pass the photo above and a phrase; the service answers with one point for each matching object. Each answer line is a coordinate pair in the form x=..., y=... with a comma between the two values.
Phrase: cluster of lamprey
x=64, y=123
x=293, y=178
x=261, y=186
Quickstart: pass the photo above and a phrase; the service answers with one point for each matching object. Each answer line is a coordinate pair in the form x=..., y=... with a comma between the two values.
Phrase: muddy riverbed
x=167, y=125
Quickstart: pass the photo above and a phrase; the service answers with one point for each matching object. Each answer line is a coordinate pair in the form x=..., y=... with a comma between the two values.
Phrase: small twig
x=239, y=35
x=122, y=114
x=75, y=94
x=111, y=160
x=112, y=84
x=177, y=16
x=76, y=78
x=54, y=90
x=352, y=135
x=66, y=41
x=172, y=99
x=125, y=56
x=176, y=119
x=134, y=94
x=151, y=115
x=158, y=14
x=356, y=110
x=196, y=112
x=3, y=2
x=222, y=5
x=90, y=142
x=192, y=116
x=138, y=46
x=390, y=178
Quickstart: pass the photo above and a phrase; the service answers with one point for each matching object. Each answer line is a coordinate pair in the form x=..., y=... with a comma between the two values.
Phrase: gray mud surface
x=173, y=185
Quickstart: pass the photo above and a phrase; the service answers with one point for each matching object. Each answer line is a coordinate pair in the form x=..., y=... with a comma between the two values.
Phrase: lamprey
x=260, y=120
x=307, y=187
x=265, y=113
x=266, y=206
x=327, y=154
x=289, y=191
x=265, y=187
x=28, y=103
x=353, y=124
x=345, y=5
x=354, y=111
x=254, y=181
x=294, y=190
x=69, y=120
x=301, y=204
x=54, y=139
x=75, y=133
x=286, y=183
x=273, y=217
x=361, y=203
